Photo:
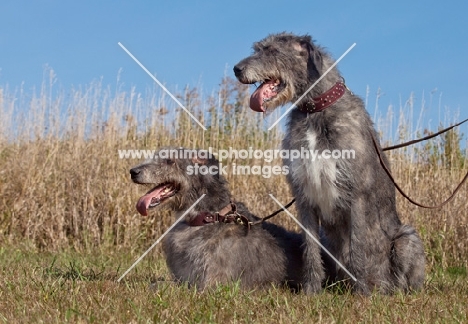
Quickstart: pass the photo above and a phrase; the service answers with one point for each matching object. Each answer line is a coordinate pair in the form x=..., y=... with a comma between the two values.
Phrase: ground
x=74, y=287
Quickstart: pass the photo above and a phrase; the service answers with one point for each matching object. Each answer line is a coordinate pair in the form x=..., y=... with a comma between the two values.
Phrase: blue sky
x=402, y=46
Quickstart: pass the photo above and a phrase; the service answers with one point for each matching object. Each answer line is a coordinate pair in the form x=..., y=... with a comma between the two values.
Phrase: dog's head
x=285, y=65
x=177, y=178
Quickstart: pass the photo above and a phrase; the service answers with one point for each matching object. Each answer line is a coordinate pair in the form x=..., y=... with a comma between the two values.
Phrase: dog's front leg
x=368, y=256
x=314, y=273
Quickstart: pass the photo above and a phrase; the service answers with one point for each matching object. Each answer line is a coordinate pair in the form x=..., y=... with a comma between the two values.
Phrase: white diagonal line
x=162, y=86
x=312, y=86
x=314, y=238
x=159, y=240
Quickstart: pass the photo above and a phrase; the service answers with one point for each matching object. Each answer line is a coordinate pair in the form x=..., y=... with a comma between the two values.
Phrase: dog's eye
x=170, y=161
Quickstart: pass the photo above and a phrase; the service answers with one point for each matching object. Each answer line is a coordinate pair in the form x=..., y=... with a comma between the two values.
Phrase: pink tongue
x=264, y=91
x=144, y=202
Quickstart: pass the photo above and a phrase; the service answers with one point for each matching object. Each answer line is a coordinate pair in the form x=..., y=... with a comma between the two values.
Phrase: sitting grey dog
x=216, y=242
x=352, y=200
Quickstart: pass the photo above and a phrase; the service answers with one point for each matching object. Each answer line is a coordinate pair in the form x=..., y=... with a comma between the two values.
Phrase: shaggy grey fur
x=218, y=253
x=353, y=200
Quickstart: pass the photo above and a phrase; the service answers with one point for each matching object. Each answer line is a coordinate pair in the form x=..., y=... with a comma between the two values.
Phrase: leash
x=402, y=192
x=394, y=147
x=237, y=218
x=229, y=215
x=275, y=213
x=389, y=148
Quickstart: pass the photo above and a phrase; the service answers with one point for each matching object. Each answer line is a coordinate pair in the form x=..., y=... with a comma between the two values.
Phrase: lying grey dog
x=214, y=243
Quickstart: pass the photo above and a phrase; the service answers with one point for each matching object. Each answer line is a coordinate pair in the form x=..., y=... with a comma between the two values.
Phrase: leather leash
x=275, y=213
x=401, y=191
x=389, y=148
x=230, y=215
x=205, y=218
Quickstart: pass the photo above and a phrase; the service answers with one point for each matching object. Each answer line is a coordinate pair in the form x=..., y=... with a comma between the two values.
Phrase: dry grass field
x=69, y=227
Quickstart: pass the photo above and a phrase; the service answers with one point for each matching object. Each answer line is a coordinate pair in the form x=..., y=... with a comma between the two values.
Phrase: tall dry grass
x=62, y=183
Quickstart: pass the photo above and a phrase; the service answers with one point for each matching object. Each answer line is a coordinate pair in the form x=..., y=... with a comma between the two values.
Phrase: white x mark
x=162, y=86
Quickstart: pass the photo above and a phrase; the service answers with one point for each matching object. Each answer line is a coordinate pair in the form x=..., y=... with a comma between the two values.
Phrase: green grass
x=75, y=287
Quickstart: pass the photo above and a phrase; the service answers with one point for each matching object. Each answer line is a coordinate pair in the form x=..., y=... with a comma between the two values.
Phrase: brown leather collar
x=325, y=100
x=226, y=215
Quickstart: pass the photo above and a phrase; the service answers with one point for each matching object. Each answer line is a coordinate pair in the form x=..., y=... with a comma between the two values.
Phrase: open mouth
x=265, y=93
x=156, y=197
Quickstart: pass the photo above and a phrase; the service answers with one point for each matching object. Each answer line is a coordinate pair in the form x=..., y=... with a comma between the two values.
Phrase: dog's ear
x=300, y=44
x=202, y=157
x=199, y=160
x=170, y=161
x=314, y=61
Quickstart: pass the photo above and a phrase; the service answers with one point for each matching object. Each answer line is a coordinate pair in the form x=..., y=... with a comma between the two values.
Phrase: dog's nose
x=237, y=70
x=134, y=172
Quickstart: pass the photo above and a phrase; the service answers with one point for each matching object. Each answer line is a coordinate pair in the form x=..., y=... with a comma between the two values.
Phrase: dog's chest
x=316, y=175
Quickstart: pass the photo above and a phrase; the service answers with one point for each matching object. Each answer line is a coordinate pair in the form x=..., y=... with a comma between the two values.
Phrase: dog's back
x=222, y=253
